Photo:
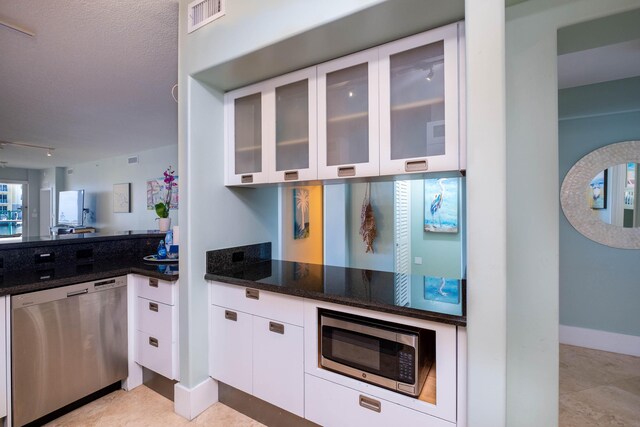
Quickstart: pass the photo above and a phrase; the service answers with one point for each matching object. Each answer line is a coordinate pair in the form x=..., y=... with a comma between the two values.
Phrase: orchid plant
x=162, y=208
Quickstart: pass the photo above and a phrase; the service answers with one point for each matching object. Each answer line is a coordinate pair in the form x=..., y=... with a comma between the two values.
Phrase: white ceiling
x=94, y=82
x=600, y=64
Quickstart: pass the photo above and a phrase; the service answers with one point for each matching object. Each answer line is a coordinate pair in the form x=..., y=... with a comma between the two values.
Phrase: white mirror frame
x=575, y=184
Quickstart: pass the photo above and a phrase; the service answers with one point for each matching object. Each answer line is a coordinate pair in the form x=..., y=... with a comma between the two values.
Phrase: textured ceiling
x=94, y=82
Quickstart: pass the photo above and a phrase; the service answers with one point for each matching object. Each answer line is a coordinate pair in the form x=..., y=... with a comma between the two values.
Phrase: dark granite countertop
x=62, y=239
x=22, y=281
x=430, y=298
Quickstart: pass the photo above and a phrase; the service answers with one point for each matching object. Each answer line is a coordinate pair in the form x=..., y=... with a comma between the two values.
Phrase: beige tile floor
x=143, y=407
x=597, y=388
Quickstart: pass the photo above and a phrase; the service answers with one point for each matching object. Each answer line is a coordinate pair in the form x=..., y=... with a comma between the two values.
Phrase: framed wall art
x=122, y=198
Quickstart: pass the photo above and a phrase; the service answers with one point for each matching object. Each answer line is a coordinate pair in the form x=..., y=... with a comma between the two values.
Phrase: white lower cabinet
x=278, y=371
x=257, y=350
x=156, y=325
x=330, y=404
x=231, y=348
x=254, y=348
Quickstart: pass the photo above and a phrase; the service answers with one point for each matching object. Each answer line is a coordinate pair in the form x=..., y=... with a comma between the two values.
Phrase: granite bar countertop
x=63, y=239
x=22, y=281
x=429, y=298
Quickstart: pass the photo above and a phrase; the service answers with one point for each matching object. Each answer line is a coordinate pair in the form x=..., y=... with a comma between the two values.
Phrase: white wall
x=97, y=179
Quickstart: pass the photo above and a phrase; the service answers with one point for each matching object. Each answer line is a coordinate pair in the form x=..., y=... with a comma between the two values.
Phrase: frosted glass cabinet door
x=292, y=140
x=348, y=117
x=419, y=100
x=244, y=110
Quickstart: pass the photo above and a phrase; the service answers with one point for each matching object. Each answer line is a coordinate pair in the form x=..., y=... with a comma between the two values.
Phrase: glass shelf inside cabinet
x=348, y=115
x=292, y=126
x=248, y=134
x=417, y=102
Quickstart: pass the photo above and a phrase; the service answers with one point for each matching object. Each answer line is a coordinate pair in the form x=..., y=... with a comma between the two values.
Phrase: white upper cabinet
x=348, y=132
x=419, y=103
x=246, y=128
x=391, y=110
x=292, y=140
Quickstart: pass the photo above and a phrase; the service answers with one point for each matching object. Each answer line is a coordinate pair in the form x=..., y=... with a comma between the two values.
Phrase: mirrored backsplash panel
x=415, y=227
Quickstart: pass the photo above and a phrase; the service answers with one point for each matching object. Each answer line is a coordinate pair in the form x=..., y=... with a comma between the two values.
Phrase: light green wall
x=532, y=208
x=441, y=253
x=598, y=284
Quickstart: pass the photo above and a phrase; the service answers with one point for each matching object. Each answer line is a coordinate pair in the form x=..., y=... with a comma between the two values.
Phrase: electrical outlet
x=417, y=260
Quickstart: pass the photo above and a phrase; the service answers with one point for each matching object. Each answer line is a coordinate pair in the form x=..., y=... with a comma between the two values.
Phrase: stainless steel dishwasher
x=66, y=343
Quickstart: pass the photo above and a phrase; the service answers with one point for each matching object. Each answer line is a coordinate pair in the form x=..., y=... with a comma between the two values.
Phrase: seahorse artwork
x=368, y=229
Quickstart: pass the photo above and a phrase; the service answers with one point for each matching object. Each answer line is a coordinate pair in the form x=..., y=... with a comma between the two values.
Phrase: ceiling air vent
x=133, y=160
x=202, y=12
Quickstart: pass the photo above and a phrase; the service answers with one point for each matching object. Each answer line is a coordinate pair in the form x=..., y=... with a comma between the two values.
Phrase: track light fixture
x=49, y=150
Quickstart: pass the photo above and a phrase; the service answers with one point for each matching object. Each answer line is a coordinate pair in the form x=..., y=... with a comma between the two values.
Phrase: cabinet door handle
x=153, y=306
x=252, y=293
x=153, y=341
x=291, y=176
x=231, y=315
x=347, y=171
x=278, y=328
x=246, y=179
x=371, y=404
x=416, y=165
x=153, y=283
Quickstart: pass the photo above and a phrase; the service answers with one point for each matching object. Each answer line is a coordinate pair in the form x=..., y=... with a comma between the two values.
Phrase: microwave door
x=366, y=352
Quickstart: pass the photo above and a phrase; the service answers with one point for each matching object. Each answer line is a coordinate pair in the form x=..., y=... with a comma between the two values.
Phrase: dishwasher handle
x=74, y=293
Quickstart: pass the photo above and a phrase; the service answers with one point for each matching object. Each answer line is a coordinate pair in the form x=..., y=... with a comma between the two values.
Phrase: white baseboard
x=600, y=340
x=189, y=403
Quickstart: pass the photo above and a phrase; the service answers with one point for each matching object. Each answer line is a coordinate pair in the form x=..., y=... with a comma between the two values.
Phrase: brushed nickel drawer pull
x=252, y=293
x=347, y=171
x=153, y=306
x=231, y=315
x=291, y=176
x=278, y=328
x=415, y=165
x=371, y=404
x=153, y=283
x=246, y=179
x=153, y=341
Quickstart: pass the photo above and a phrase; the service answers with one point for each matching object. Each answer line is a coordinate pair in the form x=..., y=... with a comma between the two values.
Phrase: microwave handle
x=410, y=340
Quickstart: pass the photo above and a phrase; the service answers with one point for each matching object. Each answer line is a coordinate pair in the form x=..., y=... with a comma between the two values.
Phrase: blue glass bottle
x=162, y=250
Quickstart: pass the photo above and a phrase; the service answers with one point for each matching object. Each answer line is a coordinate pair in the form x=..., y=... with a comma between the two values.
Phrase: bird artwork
x=368, y=229
x=441, y=205
x=438, y=199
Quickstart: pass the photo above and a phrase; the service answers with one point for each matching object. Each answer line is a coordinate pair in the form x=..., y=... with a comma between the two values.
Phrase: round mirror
x=598, y=195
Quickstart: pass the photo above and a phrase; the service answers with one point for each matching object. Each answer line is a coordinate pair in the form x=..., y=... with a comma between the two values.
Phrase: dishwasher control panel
x=70, y=291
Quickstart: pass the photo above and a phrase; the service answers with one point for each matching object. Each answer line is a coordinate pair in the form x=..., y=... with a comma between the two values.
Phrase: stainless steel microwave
x=394, y=356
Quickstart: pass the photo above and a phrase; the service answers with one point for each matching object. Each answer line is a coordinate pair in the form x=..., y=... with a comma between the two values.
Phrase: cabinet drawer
x=283, y=308
x=155, y=318
x=330, y=404
x=157, y=354
x=156, y=290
